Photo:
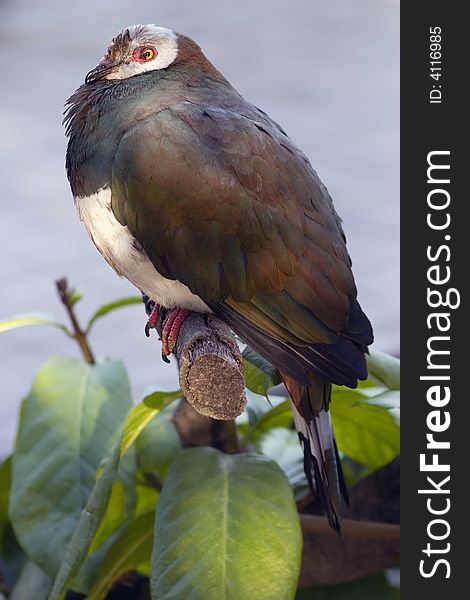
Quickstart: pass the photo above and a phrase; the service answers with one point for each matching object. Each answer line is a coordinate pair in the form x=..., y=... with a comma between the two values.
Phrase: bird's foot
x=171, y=328
x=153, y=319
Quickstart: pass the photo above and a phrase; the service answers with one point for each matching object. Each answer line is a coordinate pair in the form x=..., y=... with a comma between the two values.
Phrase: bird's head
x=136, y=50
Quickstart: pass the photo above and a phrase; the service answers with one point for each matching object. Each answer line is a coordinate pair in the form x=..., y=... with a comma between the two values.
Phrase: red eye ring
x=144, y=54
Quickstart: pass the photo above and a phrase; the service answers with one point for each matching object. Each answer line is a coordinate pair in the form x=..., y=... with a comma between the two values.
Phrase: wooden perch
x=370, y=541
x=210, y=366
x=351, y=529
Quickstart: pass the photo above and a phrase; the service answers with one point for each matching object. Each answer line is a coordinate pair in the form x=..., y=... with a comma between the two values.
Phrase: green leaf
x=69, y=422
x=120, y=507
x=32, y=319
x=158, y=443
x=113, y=517
x=374, y=587
x=107, y=308
x=32, y=584
x=143, y=413
x=389, y=399
x=385, y=368
x=260, y=376
x=75, y=296
x=130, y=551
x=256, y=407
x=282, y=445
x=127, y=475
x=227, y=527
x=147, y=496
x=86, y=527
x=366, y=383
x=366, y=433
x=278, y=416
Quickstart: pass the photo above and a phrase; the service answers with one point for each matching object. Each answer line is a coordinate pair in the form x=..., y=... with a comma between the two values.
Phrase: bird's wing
x=226, y=204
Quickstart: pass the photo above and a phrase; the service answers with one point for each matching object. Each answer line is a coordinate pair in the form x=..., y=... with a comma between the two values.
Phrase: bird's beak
x=99, y=72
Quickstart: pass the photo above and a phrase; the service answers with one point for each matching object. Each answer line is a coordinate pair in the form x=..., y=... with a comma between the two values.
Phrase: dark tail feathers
x=321, y=461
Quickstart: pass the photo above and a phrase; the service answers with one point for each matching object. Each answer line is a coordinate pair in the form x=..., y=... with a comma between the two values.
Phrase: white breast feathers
x=124, y=253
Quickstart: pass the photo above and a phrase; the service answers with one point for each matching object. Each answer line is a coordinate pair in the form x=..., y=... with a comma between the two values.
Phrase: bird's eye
x=144, y=54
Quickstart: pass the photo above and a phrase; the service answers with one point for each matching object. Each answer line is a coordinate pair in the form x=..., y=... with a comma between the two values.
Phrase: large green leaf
x=260, y=376
x=130, y=551
x=279, y=415
x=141, y=415
x=389, y=399
x=87, y=526
x=385, y=368
x=120, y=507
x=69, y=422
x=109, y=307
x=122, y=501
x=158, y=443
x=91, y=570
x=366, y=433
x=227, y=527
x=282, y=445
x=32, y=584
x=256, y=406
x=147, y=496
x=31, y=319
x=113, y=517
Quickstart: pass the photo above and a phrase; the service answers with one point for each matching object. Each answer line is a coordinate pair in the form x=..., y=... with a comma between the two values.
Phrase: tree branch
x=210, y=366
x=351, y=529
x=78, y=334
x=370, y=533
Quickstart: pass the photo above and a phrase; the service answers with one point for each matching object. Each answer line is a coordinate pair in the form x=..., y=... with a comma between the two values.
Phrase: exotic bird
x=205, y=204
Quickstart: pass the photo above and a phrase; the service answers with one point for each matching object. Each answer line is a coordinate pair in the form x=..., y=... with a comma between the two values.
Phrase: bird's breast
x=127, y=257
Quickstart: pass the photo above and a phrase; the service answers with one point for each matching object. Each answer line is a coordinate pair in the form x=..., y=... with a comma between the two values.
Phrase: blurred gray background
x=327, y=71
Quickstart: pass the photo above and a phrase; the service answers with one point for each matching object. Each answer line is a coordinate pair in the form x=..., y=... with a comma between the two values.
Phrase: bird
x=204, y=203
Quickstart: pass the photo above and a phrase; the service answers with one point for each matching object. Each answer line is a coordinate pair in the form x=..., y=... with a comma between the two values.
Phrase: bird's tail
x=321, y=461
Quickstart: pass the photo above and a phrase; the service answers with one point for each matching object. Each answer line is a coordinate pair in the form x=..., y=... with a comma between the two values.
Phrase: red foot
x=171, y=329
x=153, y=319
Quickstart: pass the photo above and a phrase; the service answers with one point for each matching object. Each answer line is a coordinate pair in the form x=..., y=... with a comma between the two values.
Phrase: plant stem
x=78, y=334
x=232, y=437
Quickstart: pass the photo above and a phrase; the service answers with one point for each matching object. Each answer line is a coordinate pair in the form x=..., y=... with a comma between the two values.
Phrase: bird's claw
x=152, y=320
x=170, y=330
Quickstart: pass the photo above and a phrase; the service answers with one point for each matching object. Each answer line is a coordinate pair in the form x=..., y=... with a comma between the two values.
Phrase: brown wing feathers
x=243, y=220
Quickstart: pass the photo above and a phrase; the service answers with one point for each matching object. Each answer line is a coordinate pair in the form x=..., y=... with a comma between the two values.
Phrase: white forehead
x=164, y=40
x=147, y=33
